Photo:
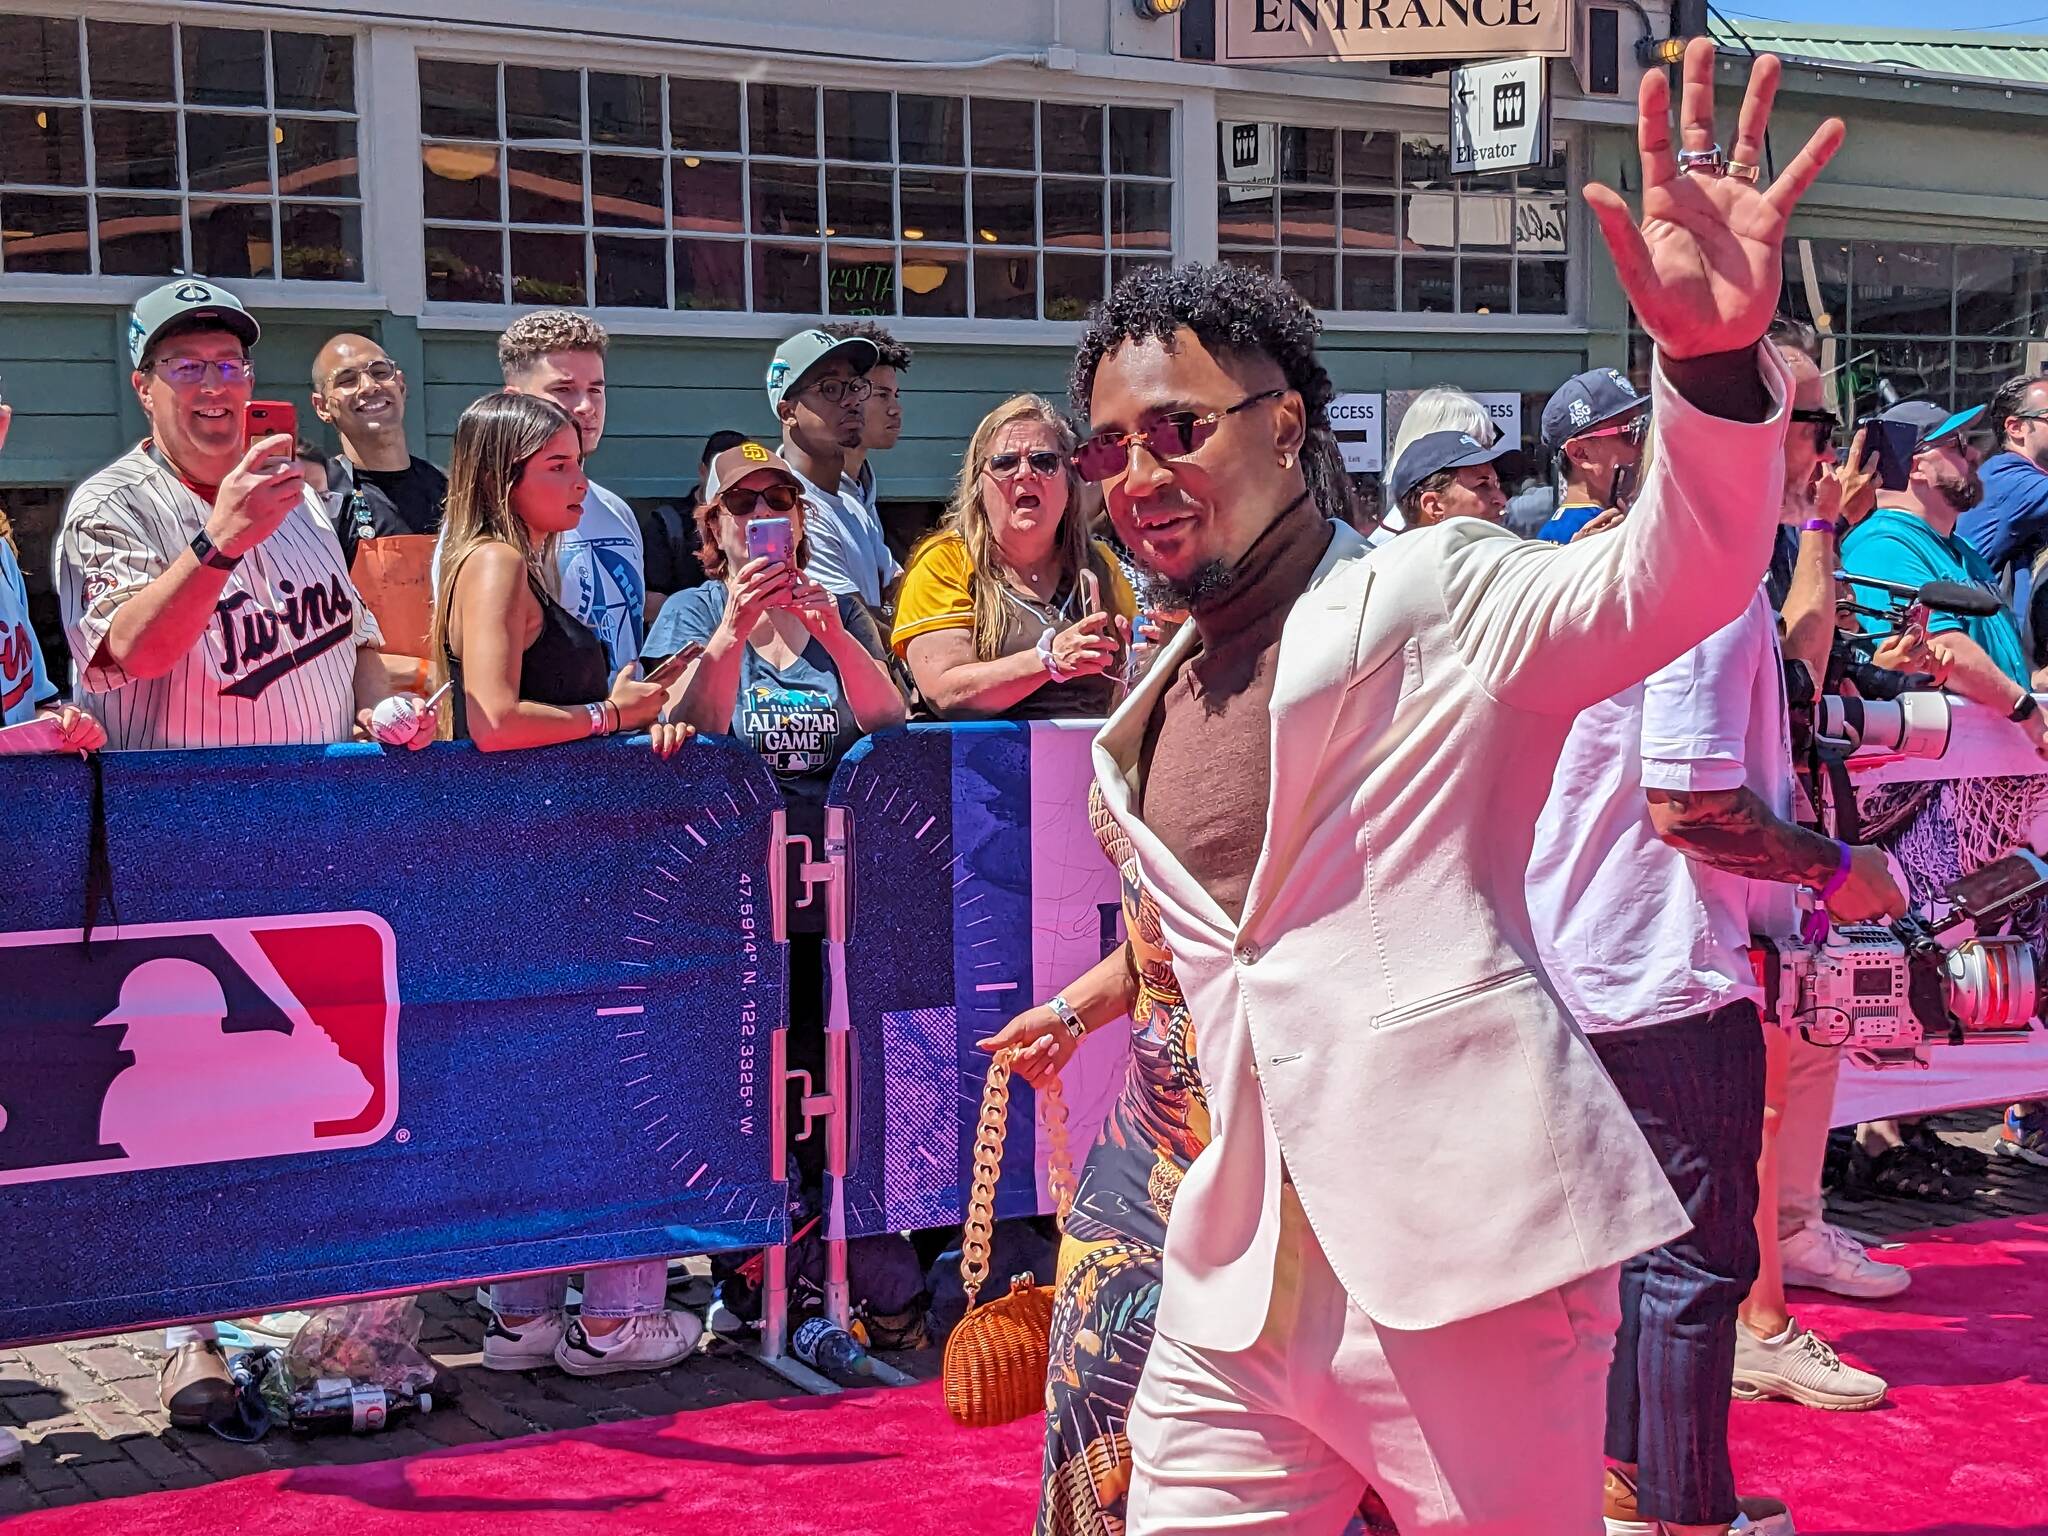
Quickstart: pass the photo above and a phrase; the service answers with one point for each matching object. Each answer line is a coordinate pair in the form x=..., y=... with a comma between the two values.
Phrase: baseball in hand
x=396, y=720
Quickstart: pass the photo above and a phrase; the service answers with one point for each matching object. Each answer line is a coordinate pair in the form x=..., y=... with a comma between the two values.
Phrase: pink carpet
x=1961, y=1450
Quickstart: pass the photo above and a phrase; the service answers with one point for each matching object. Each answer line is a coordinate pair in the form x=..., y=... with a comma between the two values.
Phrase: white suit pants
x=1489, y=1427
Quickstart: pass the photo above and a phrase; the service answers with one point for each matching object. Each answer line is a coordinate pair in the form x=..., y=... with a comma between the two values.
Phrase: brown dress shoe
x=194, y=1385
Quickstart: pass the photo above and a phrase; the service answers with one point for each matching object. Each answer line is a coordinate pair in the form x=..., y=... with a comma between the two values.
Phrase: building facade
x=707, y=175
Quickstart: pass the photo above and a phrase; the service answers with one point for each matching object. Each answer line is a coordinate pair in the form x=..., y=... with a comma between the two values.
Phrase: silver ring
x=1703, y=162
x=1742, y=170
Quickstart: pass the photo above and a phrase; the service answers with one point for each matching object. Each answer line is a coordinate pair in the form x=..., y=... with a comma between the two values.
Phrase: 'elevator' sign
x=1500, y=116
x=1264, y=31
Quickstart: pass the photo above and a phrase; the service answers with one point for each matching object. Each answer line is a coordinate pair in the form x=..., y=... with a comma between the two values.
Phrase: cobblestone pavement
x=88, y=1409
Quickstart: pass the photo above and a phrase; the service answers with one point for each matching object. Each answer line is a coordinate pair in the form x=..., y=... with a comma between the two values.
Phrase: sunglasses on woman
x=1043, y=462
x=1172, y=436
x=741, y=502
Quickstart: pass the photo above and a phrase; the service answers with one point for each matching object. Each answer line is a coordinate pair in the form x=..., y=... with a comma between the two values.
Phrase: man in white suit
x=1331, y=779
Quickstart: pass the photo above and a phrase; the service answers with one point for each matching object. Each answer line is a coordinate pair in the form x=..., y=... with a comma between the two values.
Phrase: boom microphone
x=1954, y=597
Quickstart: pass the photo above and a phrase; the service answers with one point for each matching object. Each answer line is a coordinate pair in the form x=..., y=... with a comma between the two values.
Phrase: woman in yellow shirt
x=1010, y=610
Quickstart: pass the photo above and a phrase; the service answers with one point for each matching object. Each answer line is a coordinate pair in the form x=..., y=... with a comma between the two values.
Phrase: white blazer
x=1377, y=1017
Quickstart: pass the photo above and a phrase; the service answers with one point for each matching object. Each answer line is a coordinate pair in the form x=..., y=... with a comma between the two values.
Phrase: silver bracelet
x=597, y=720
x=1063, y=1010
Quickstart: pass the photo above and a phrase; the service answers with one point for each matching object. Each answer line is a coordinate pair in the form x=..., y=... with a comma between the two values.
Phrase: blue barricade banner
x=378, y=1021
x=978, y=890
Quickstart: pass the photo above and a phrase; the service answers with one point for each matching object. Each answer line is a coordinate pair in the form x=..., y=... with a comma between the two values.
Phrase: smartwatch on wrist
x=211, y=555
x=2025, y=709
x=1063, y=1010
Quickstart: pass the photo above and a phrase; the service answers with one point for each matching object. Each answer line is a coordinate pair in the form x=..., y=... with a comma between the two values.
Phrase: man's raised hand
x=1703, y=268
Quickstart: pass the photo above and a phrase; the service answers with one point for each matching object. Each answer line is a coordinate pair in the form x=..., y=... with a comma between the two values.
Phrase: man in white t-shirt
x=1665, y=845
x=818, y=388
x=208, y=604
x=559, y=355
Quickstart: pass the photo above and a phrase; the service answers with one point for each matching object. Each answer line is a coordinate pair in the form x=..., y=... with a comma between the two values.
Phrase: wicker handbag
x=996, y=1359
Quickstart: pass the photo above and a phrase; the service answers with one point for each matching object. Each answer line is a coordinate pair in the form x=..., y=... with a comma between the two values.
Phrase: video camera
x=1885, y=992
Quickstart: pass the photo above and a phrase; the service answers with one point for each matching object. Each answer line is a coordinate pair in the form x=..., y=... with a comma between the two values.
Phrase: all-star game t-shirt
x=796, y=717
x=277, y=663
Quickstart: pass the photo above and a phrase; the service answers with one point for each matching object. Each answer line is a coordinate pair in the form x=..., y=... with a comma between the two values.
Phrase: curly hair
x=1231, y=310
x=533, y=336
x=894, y=354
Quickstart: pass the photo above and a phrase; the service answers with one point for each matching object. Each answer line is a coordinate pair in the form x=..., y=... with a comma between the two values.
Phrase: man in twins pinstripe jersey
x=203, y=589
x=208, y=605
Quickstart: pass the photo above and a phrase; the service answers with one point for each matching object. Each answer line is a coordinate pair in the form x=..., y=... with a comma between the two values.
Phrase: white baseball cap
x=180, y=299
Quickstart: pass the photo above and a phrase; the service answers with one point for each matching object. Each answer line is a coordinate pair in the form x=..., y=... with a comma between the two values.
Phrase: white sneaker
x=10, y=1448
x=529, y=1347
x=1823, y=1257
x=651, y=1341
x=1801, y=1368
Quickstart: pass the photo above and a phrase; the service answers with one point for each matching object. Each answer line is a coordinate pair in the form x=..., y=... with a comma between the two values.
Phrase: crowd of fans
x=221, y=593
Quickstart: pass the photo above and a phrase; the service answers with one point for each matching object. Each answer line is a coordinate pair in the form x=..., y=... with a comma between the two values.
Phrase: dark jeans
x=1696, y=1088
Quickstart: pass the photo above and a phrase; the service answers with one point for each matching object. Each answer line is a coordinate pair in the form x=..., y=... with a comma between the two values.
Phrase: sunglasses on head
x=1172, y=436
x=1043, y=461
x=778, y=498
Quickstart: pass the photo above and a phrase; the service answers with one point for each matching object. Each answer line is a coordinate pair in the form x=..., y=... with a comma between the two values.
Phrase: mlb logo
x=173, y=1044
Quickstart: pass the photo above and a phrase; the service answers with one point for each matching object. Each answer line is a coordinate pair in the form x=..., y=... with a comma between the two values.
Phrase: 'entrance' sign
x=1264, y=31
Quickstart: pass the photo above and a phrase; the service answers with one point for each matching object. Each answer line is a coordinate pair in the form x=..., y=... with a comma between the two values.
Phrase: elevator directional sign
x=1500, y=116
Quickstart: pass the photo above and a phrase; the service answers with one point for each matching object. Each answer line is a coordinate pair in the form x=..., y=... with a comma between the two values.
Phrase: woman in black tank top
x=527, y=673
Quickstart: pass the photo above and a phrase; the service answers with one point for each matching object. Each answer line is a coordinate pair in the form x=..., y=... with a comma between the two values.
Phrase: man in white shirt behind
x=818, y=387
x=559, y=355
x=1666, y=843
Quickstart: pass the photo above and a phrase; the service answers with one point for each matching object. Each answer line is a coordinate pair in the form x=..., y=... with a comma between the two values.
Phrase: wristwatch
x=211, y=555
x=2024, y=710
x=1063, y=1010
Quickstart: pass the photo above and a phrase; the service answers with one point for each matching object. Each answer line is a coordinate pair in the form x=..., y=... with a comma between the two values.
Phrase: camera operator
x=1911, y=538
x=1666, y=843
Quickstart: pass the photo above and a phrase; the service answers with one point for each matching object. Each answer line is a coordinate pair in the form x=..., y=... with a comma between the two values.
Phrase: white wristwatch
x=1045, y=657
x=1064, y=1011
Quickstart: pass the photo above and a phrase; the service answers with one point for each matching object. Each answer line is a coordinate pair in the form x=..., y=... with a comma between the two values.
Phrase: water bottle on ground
x=823, y=1345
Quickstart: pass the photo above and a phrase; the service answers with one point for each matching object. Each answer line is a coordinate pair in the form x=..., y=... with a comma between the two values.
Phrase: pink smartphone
x=770, y=538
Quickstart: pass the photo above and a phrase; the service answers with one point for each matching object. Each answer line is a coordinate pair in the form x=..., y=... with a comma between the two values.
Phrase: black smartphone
x=1891, y=443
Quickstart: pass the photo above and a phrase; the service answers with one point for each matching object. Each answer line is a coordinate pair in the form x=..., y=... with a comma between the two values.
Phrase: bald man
x=386, y=504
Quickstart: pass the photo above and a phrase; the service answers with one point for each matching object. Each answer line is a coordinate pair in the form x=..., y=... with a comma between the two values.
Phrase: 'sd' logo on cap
x=193, y=293
x=755, y=452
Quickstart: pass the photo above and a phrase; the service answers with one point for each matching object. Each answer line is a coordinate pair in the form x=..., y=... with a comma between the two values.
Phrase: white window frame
x=268, y=292
x=1015, y=83
x=1376, y=116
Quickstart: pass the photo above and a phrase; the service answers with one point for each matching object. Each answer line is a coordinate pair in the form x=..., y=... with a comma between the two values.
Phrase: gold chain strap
x=988, y=1166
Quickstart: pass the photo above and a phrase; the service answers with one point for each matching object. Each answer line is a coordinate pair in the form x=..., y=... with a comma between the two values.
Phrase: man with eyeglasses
x=882, y=416
x=818, y=388
x=1912, y=538
x=2009, y=527
x=385, y=501
x=1595, y=427
x=1330, y=779
x=208, y=604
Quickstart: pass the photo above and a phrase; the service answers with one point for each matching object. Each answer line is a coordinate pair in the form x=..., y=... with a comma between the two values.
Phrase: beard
x=1962, y=492
x=1204, y=585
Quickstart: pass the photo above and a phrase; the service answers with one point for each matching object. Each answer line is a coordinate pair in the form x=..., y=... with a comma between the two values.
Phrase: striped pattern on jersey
x=277, y=664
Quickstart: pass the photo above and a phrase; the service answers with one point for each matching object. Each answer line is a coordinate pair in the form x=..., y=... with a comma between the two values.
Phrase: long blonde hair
x=967, y=520
x=494, y=440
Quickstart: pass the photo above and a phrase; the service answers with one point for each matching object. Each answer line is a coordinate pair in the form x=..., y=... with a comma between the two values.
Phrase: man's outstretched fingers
x=1755, y=119
x=1696, y=101
x=1624, y=239
x=1653, y=129
x=1792, y=183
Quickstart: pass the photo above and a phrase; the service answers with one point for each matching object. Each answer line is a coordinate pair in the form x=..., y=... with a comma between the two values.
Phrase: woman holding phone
x=788, y=668
x=526, y=672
